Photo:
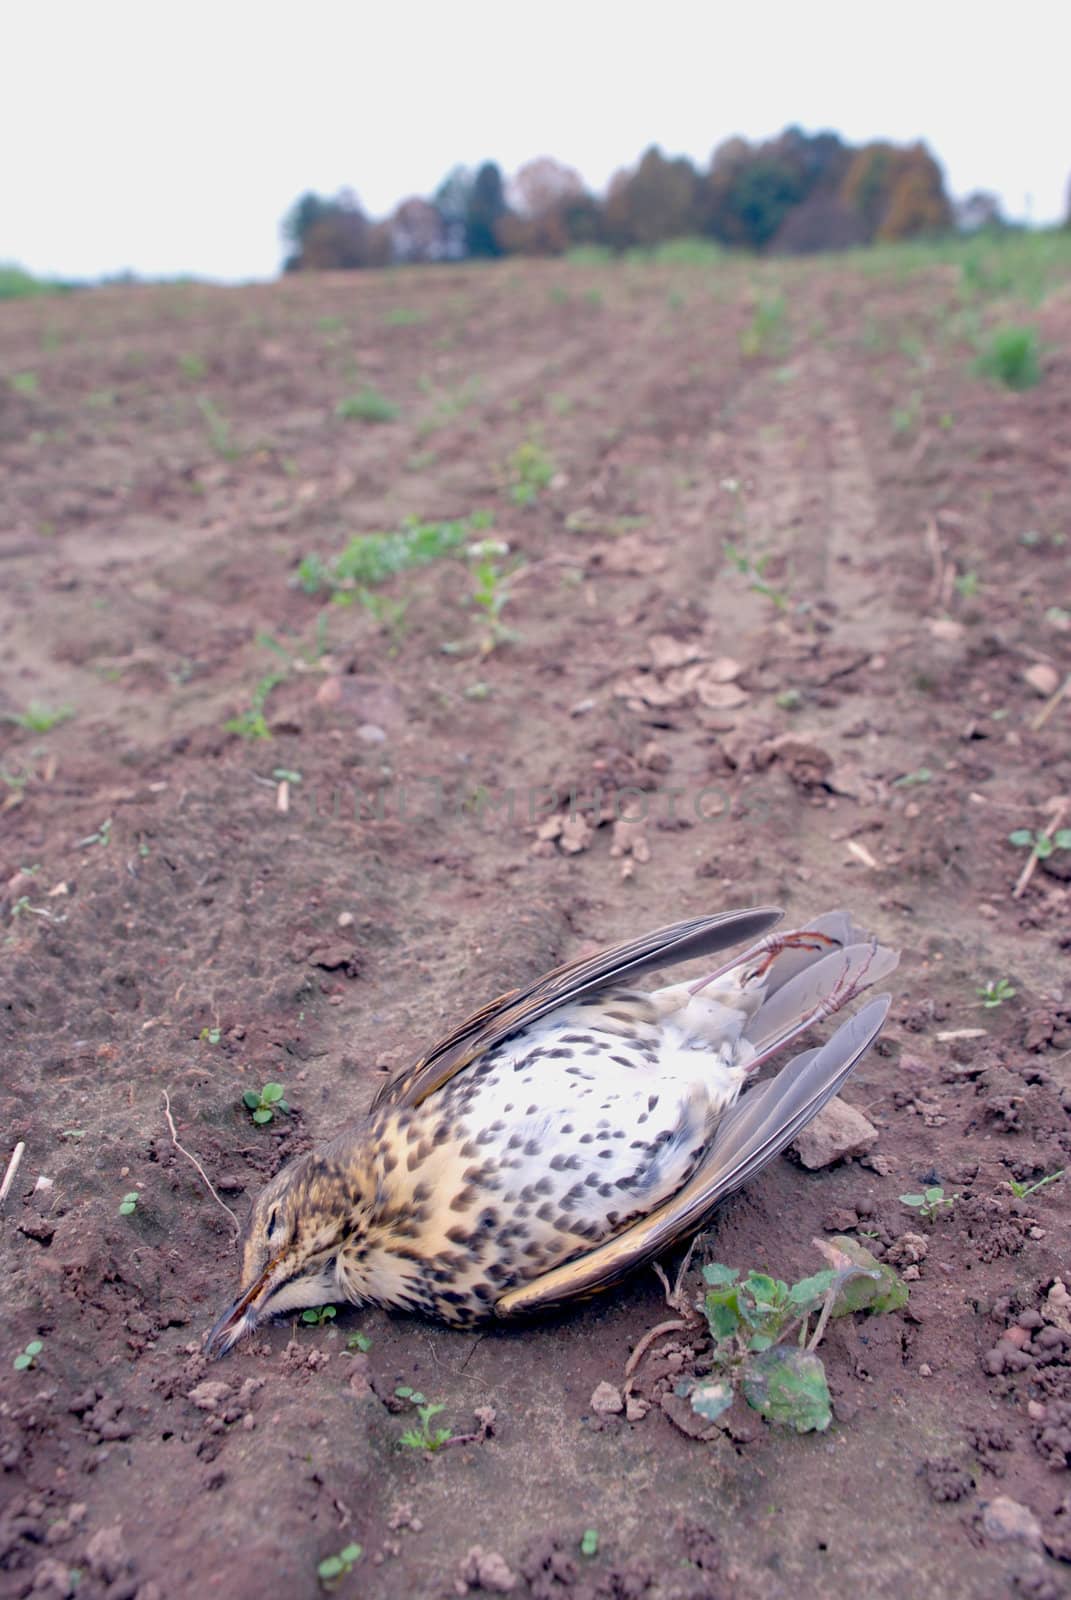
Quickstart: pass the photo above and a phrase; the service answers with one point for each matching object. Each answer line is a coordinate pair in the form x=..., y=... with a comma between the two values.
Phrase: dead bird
x=567, y=1132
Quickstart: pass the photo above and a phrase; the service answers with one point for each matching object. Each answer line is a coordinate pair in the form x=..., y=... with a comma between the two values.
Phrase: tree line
x=795, y=193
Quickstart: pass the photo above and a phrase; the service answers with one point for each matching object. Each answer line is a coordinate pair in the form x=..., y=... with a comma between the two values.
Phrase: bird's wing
x=760, y=1125
x=681, y=941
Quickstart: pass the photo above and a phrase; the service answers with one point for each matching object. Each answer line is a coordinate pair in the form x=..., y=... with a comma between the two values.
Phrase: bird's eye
x=273, y=1217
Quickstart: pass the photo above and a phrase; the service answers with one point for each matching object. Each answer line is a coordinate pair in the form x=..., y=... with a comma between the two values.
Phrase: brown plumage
x=565, y=1133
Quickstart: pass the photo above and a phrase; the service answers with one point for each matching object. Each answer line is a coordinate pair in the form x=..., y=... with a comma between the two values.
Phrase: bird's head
x=289, y=1246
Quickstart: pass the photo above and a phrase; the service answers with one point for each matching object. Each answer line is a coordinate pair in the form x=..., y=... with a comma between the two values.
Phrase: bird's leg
x=761, y=957
x=842, y=992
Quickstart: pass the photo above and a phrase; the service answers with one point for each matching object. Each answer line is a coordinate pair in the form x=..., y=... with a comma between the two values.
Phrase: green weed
x=39, y=718
x=219, y=429
x=530, y=472
x=1011, y=357
x=331, y=1568
x=26, y=1358
x=318, y=1316
x=128, y=1204
x=371, y=558
x=266, y=1103
x=23, y=382
x=367, y=405
x=751, y=1317
x=930, y=1203
x=752, y=568
x=423, y=1436
x=252, y=724
x=767, y=332
x=995, y=992
x=1022, y=1191
x=1041, y=843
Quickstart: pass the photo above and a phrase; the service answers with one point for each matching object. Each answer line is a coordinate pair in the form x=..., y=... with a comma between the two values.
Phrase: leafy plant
x=23, y=382
x=192, y=366
x=531, y=470
x=219, y=429
x=252, y=723
x=128, y=1204
x=266, y=1103
x=422, y=1437
x=1041, y=844
x=359, y=1341
x=26, y=1358
x=39, y=718
x=318, y=1316
x=491, y=591
x=371, y=558
x=209, y=1035
x=1022, y=1190
x=995, y=992
x=767, y=332
x=589, y=1542
x=331, y=1568
x=367, y=405
x=930, y=1203
x=751, y=1318
x=1010, y=357
x=752, y=569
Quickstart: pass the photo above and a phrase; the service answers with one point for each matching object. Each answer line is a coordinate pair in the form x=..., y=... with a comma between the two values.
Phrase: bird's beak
x=239, y=1318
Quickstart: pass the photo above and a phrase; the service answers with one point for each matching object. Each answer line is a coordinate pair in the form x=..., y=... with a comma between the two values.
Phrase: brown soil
x=878, y=753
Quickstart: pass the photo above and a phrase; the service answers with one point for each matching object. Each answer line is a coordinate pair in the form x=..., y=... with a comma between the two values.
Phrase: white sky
x=172, y=138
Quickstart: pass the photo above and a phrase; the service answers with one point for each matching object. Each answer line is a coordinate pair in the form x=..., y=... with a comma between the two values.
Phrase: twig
x=12, y=1168
x=648, y=1340
x=1050, y=706
x=1059, y=811
x=933, y=545
x=196, y=1163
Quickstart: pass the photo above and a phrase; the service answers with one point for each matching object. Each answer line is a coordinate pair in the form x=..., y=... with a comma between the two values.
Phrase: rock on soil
x=837, y=1132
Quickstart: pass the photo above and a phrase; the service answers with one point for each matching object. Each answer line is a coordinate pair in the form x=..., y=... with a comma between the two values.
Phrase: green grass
x=1011, y=356
x=23, y=382
x=767, y=332
x=403, y=317
x=367, y=405
x=39, y=718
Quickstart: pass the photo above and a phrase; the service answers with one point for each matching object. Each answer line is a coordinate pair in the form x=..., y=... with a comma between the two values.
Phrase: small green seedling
x=209, y=1035
x=128, y=1204
x=26, y=1358
x=253, y=724
x=39, y=718
x=751, y=568
x=589, y=1542
x=531, y=470
x=366, y=406
x=1022, y=1190
x=1041, y=843
x=103, y=837
x=751, y=1318
x=995, y=992
x=331, y=1568
x=359, y=1341
x=318, y=1316
x=422, y=1437
x=266, y=1103
x=930, y=1203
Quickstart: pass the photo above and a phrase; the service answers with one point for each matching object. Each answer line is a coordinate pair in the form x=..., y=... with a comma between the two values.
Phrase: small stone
x=1004, y=1518
x=371, y=733
x=606, y=1400
x=911, y=1274
x=925, y=1370
x=1058, y=1306
x=345, y=919
x=1043, y=679
x=838, y=1131
x=208, y=1396
x=636, y=1408
x=106, y=1555
x=52, y=1579
x=906, y=1251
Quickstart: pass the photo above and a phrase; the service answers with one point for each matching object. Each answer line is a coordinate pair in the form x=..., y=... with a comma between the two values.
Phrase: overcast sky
x=172, y=138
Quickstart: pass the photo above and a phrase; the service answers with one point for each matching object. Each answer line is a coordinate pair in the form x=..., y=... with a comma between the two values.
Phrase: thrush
x=567, y=1132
